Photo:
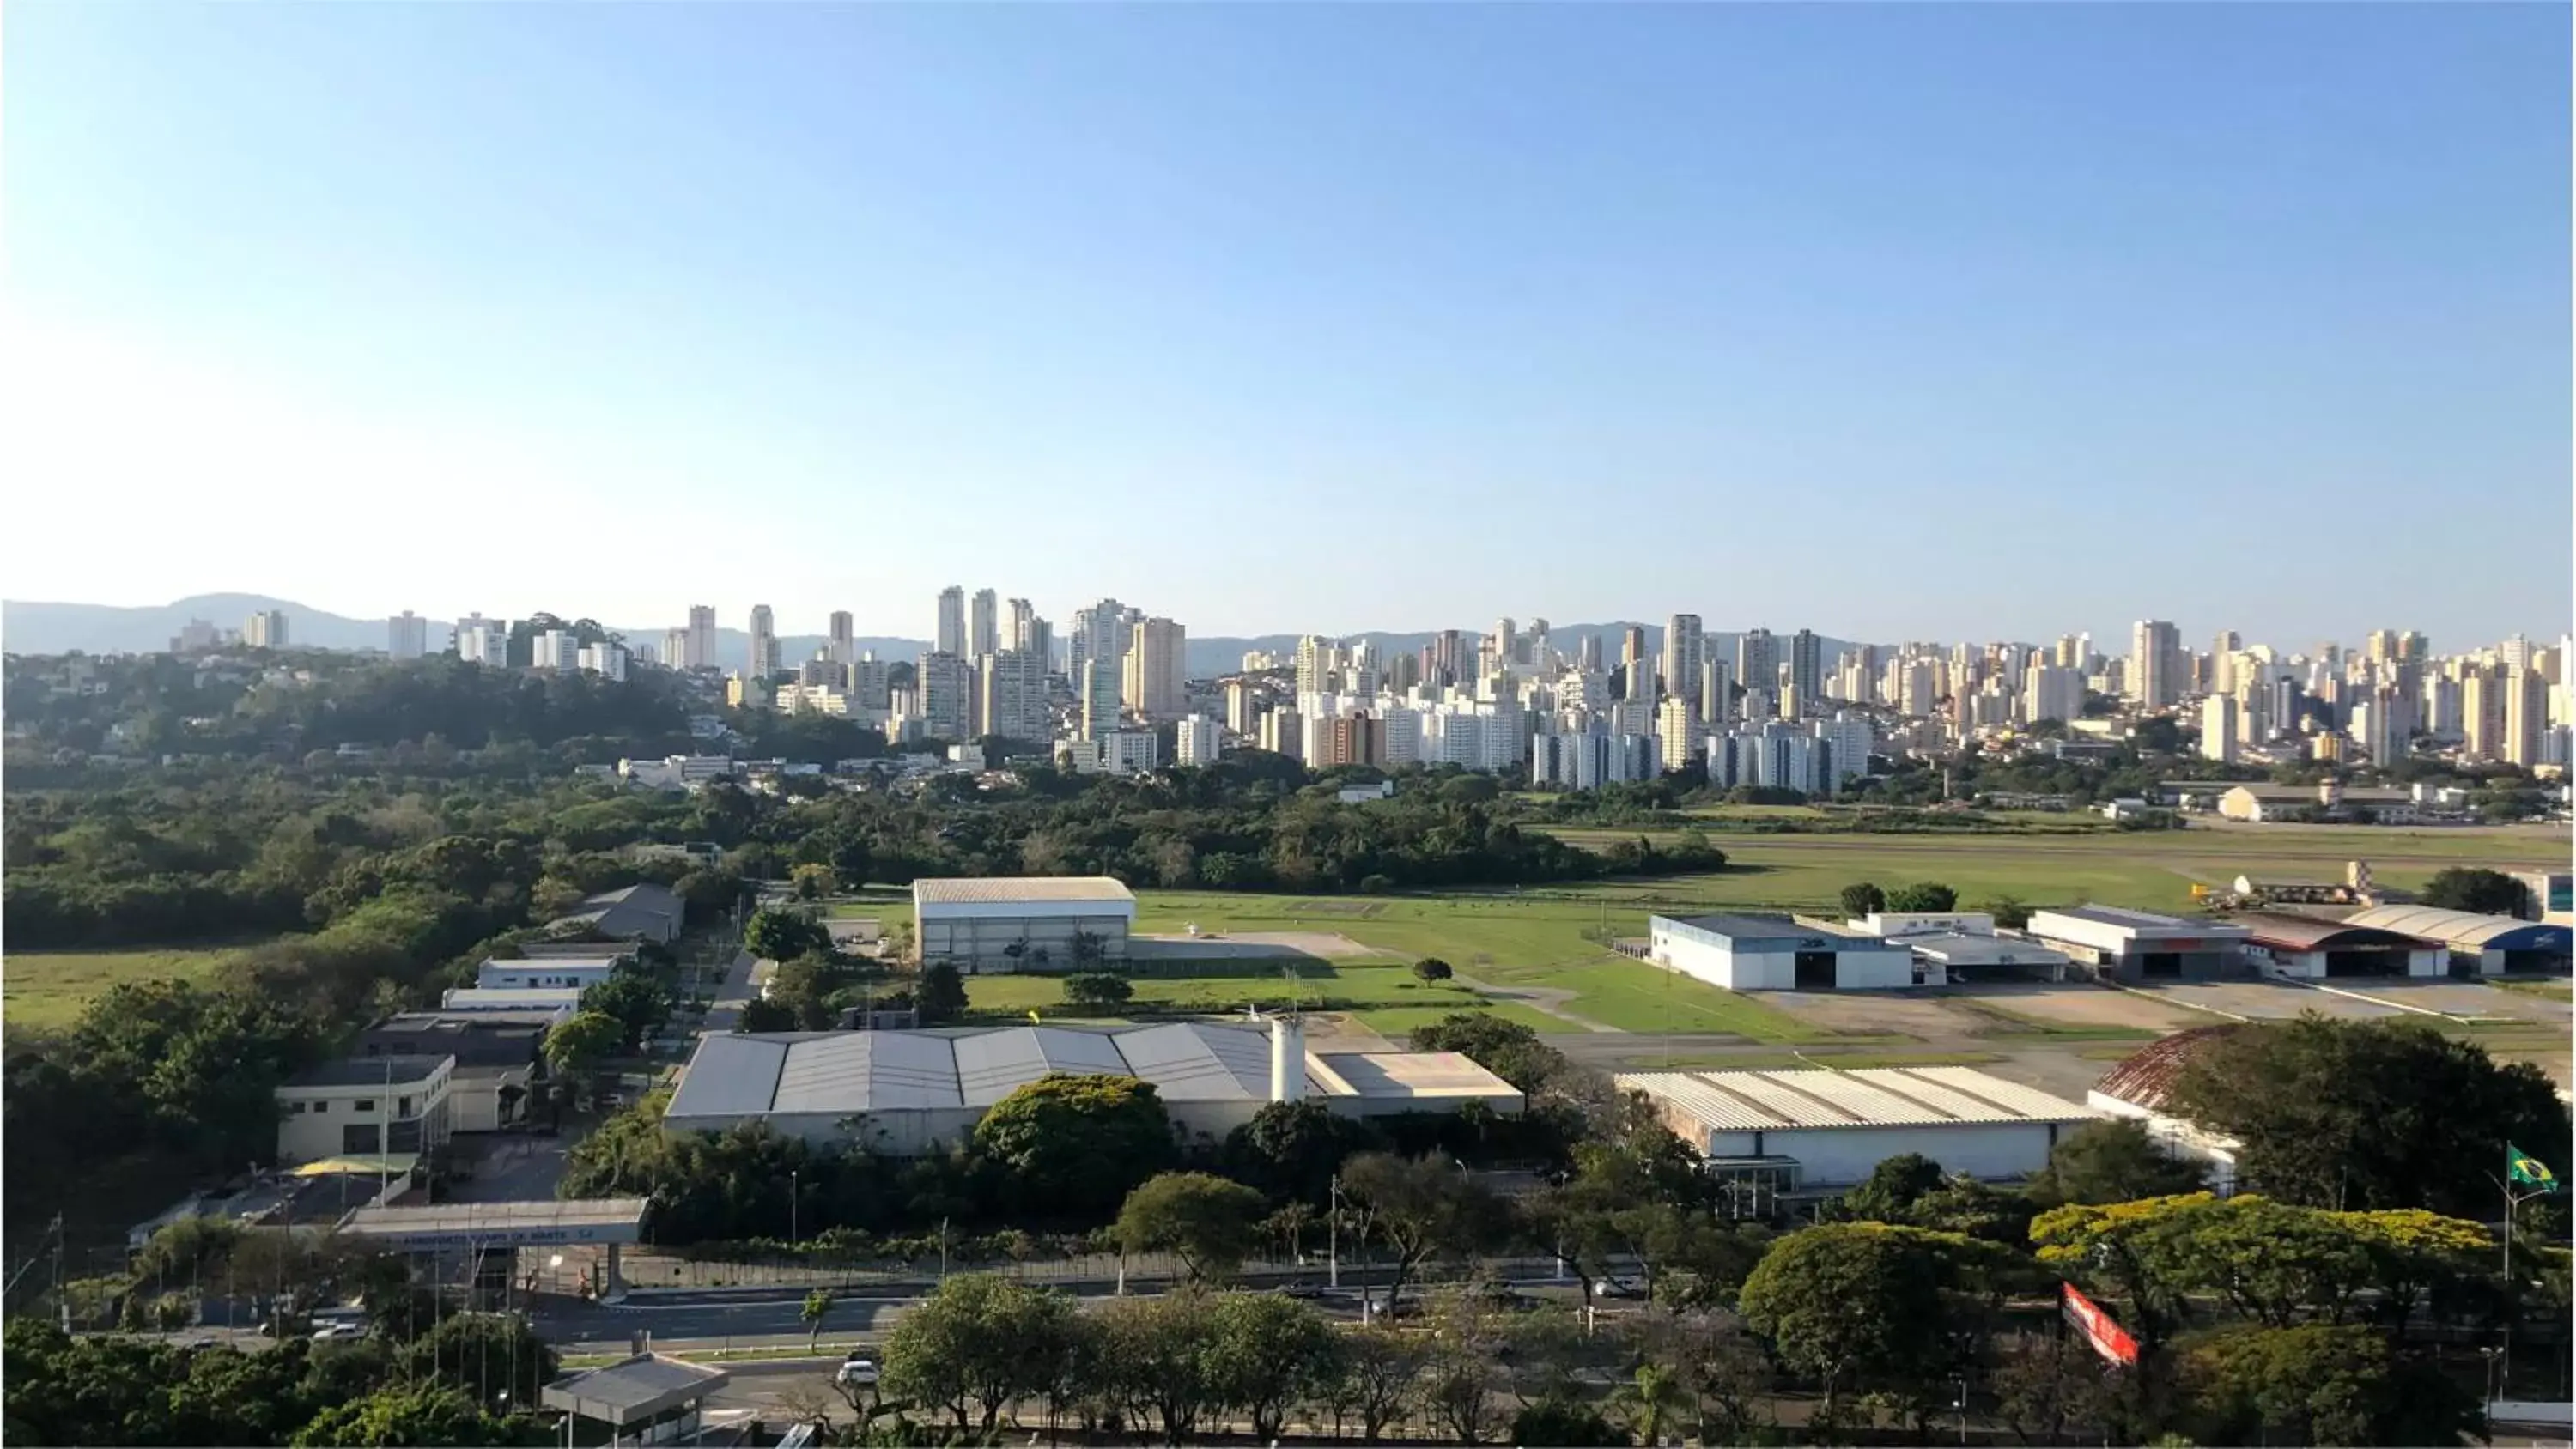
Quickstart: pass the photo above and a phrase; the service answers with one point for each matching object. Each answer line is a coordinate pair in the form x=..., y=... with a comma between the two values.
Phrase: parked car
x=340, y=1329
x=858, y=1371
x=1618, y=1288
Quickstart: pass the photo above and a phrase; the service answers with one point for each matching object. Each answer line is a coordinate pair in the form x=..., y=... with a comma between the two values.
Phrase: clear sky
x=1985, y=321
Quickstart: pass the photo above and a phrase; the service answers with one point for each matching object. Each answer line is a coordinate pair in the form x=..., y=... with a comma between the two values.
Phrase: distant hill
x=46, y=628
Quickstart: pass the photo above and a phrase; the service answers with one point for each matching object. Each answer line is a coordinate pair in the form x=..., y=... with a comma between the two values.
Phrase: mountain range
x=52, y=628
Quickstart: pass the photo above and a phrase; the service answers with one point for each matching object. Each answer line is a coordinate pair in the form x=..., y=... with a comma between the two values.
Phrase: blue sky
x=1923, y=322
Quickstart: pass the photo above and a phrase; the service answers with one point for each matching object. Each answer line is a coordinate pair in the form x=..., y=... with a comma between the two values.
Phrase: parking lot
x=2465, y=998
x=2265, y=1000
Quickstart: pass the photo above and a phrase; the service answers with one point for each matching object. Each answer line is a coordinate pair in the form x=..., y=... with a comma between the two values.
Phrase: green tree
x=763, y=1014
x=941, y=996
x=1382, y=1370
x=1097, y=991
x=580, y=1042
x=421, y=1417
x=1861, y=898
x=2320, y=1384
x=2370, y=1114
x=1508, y=1049
x=1569, y=1423
x=2011, y=913
x=1162, y=1350
x=2474, y=888
x=1431, y=968
x=1870, y=1307
x=1206, y=1221
x=1291, y=1150
x=1419, y=1207
x=814, y=882
x=1926, y=896
x=638, y=1004
x=495, y=1359
x=1889, y=1193
x=1654, y=1397
x=817, y=1307
x=1078, y=1143
x=1267, y=1354
x=784, y=935
x=2114, y=1160
x=977, y=1343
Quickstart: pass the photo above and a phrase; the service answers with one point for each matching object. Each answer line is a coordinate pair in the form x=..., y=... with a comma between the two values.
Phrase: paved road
x=732, y=996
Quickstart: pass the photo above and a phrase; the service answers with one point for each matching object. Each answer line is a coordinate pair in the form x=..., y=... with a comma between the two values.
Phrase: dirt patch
x=2083, y=1004
x=1871, y=1011
x=1331, y=945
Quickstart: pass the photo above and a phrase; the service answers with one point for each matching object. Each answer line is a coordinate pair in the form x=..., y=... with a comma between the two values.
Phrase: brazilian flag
x=2530, y=1171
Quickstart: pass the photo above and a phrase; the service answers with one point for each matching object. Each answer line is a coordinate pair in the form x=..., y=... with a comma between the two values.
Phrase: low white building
x=1812, y=1130
x=2129, y=946
x=365, y=1107
x=1776, y=953
x=989, y=924
x=574, y=972
x=563, y=1000
x=1955, y=947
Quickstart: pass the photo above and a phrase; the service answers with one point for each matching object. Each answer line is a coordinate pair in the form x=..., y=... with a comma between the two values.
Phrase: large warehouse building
x=1822, y=1130
x=2478, y=945
x=1776, y=953
x=1022, y=923
x=2311, y=948
x=2124, y=945
x=912, y=1092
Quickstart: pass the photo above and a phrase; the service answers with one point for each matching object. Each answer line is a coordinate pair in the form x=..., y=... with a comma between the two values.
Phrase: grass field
x=2554, y=990
x=1384, y=997
x=49, y=988
x=1790, y=1061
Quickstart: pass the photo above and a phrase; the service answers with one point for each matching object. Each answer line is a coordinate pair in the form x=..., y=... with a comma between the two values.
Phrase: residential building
x=1348, y=739
x=1283, y=733
x=764, y=663
x=2482, y=714
x=1587, y=655
x=701, y=652
x=365, y=1107
x=1757, y=664
x=2526, y=714
x=1848, y=740
x=843, y=648
x=951, y=635
x=1130, y=752
x=556, y=650
x=2156, y=665
x=675, y=648
x=604, y=659
x=2384, y=725
x=1636, y=665
x=1684, y=650
x=407, y=635
x=483, y=641
x=983, y=624
x=1099, y=632
x=1156, y=683
x=2218, y=728
x=1194, y=740
x=1098, y=689
x=2051, y=691
x=1806, y=672
x=1679, y=736
x=265, y=630
x=1242, y=707
x=1716, y=690
x=946, y=685
x=1013, y=701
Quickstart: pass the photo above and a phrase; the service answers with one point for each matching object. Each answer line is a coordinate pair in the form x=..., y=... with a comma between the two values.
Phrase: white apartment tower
x=2051, y=691
x=1807, y=670
x=265, y=630
x=483, y=641
x=558, y=650
x=1716, y=690
x=764, y=645
x=1014, y=699
x=1097, y=687
x=701, y=653
x=946, y=686
x=1194, y=741
x=2155, y=664
x=407, y=635
x=2218, y=728
x=950, y=637
x=1757, y=661
x=983, y=625
x=1156, y=682
x=1678, y=737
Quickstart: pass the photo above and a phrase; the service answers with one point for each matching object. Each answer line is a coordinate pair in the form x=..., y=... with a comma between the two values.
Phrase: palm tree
x=1652, y=1400
x=817, y=1304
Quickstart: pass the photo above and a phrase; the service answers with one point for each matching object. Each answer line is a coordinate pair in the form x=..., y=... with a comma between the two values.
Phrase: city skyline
x=2093, y=314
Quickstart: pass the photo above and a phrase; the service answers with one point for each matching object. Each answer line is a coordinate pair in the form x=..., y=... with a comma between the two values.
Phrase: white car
x=858, y=1371
x=1618, y=1288
x=342, y=1329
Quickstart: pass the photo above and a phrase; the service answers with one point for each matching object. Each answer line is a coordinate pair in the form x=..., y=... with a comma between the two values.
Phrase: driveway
x=732, y=996
x=2464, y=998
x=2265, y=1000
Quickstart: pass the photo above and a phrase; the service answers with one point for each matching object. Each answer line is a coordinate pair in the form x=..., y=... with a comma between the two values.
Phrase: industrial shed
x=2313, y=948
x=1776, y=953
x=1837, y=1126
x=2141, y=1086
x=2478, y=945
x=912, y=1092
x=1022, y=923
x=2124, y=945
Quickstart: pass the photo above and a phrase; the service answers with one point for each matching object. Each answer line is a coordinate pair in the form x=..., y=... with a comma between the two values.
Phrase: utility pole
x=62, y=1305
x=1333, y=1227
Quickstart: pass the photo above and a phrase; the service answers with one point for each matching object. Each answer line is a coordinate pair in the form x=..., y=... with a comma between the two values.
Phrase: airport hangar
x=982, y=925
x=1776, y=953
x=2478, y=945
x=909, y=1093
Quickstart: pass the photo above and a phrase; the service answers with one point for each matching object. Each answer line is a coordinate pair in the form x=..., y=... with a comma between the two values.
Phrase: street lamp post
x=794, y=1178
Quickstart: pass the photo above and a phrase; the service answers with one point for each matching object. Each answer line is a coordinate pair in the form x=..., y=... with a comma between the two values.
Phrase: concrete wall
x=1844, y=1156
x=1871, y=970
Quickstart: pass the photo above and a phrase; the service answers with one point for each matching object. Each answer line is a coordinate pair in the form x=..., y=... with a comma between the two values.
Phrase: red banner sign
x=2109, y=1339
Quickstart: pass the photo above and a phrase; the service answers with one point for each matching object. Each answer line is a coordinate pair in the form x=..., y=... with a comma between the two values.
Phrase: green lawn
x=49, y=988
x=1790, y=1061
x=2555, y=990
x=1371, y=990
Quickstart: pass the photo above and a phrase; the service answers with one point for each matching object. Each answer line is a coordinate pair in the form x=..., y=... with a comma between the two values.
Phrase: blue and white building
x=1777, y=953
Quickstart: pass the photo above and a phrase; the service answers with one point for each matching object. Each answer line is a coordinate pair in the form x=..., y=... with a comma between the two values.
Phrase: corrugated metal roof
x=885, y=1070
x=1195, y=1062
x=1872, y=1097
x=2466, y=930
x=2311, y=933
x=2146, y=1077
x=991, y=1065
x=730, y=1075
x=998, y=889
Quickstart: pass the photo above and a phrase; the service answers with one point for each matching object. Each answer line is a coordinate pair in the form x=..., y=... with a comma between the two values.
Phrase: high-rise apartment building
x=2051, y=691
x=946, y=686
x=1678, y=736
x=1318, y=660
x=1683, y=650
x=843, y=648
x=675, y=647
x=1807, y=670
x=1636, y=664
x=1716, y=690
x=2383, y=724
x=2382, y=645
x=1097, y=691
x=2156, y=665
x=406, y=635
x=1587, y=655
x=983, y=624
x=2218, y=728
x=1757, y=662
x=1357, y=738
x=265, y=630
x=556, y=650
x=764, y=645
x=1194, y=740
x=950, y=637
x=701, y=651
x=483, y=641
x=1156, y=683
x=2526, y=715
x=2482, y=714
x=1014, y=696
x=604, y=659
x=1019, y=624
